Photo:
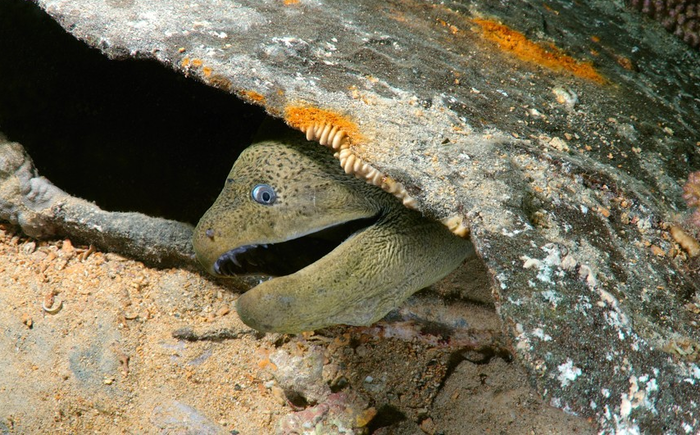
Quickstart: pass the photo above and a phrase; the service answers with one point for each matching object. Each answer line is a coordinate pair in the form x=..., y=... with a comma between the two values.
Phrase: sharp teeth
x=310, y=133
x=234, y=260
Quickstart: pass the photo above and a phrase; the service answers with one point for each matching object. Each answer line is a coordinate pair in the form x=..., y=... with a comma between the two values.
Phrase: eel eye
x=264, y=194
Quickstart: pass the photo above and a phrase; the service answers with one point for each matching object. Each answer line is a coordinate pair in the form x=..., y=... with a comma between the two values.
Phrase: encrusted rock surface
x=567, y=167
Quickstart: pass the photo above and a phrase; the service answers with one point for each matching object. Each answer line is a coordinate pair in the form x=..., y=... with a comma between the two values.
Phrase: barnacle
x=341, y=135
x=457, y=224
x=680, y=17
x=333, y=131
x=331, y=136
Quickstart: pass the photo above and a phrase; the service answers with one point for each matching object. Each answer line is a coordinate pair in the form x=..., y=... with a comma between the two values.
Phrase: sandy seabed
x=89, y=347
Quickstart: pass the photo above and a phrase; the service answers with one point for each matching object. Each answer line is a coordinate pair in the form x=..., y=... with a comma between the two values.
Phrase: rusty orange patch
x=291, y=2
x=253, y=97
x=221, y=82
x=451, y=27
x=552, y=58
x=302, y=118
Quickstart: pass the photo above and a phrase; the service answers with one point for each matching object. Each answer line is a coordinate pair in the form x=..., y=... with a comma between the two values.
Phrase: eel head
x=284, y=206
x=343, y=251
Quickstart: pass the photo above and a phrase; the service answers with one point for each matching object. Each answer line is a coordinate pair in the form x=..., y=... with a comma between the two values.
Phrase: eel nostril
x=209, y=233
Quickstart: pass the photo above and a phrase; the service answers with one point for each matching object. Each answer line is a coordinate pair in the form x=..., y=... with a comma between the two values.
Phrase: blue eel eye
x=264, y=194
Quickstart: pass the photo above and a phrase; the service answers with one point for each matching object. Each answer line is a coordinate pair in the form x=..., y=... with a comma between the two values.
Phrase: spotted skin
x=358, y=282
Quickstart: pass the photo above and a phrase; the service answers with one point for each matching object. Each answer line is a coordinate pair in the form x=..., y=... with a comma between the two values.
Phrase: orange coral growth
x=253, y=97
x=216, y=80
x=221, y=82
x=303, y=118
x=517, y=44
x=451, y=27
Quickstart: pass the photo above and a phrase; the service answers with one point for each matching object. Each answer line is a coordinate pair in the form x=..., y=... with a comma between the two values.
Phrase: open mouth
x=285, y=258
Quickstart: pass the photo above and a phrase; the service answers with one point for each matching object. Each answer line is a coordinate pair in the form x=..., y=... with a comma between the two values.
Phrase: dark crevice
x=479, y=357
x=386, y=416
x=296, y=400
x=129, y=135
x=281, y=340
x=217, y=335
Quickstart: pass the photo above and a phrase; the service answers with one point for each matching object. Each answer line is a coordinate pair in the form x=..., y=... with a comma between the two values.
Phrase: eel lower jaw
x=290, y=256
x=228, y=263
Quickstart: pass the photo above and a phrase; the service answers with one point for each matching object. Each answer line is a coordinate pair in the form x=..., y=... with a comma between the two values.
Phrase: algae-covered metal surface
x=559, y=133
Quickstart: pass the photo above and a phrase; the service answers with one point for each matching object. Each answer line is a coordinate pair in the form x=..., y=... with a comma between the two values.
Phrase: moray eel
x=343, y=251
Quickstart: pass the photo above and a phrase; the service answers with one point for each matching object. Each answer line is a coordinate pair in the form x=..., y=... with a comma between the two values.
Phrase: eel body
x=343, y=251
